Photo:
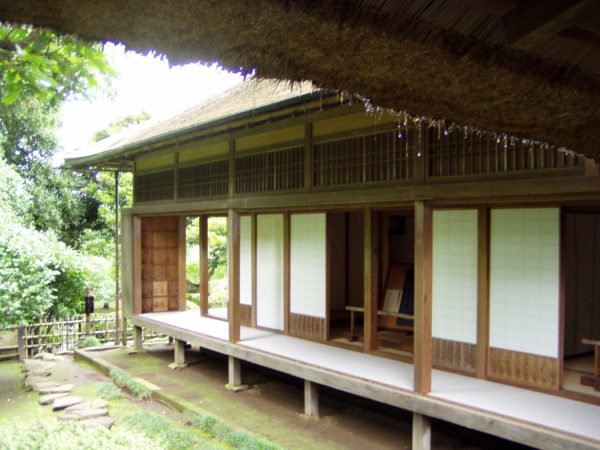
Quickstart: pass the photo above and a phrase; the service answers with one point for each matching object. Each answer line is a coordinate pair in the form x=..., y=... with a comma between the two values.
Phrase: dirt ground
x=273, y=406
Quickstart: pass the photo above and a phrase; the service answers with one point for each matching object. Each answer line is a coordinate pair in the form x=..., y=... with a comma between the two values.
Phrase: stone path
x=38, y=372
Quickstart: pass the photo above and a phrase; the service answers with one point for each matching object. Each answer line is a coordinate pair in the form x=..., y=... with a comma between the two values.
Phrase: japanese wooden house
x=453, y=273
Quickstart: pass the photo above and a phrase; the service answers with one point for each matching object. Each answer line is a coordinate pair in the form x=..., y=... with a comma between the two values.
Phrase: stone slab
x=36, y=383
x=65, y=402
x=79, y=406
x=105, y=422
x=67, y=417
x=57, y=389
x=90, y=413
x=99, y=403
x=42, y=372
x=50, y=398
x=29, y=365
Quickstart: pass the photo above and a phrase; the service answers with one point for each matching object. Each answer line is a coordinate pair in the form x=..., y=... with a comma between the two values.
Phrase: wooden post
x=421, y=432
x=233, y=267
x=371, y=296
x=286, y=273
x=311, y=398
x=124, y=332
x=254, y=266
x=234, y=372
x=88, y=294
x=422, y=298
x=308, y=157
x=204, y=276
x=117, y=294
x=137, y=338
x=483, y=283
x=181, y=267
x=22, y=343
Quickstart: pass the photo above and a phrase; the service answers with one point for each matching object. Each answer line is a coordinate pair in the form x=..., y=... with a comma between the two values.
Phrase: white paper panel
x=308, y=270
x=269, y=271
x=524, y=279
x=455, y=275
x=246, y=260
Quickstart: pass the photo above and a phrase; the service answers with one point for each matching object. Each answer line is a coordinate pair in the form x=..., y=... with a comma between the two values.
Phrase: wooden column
x=311, y=398
x=137, y=265
x=137, y=338
x=204, y=277
x=286, y=273
x=233, y=268
x=253, y=313
x=181, y=265
x=370, y=279
x=483, y=292
x=422, y=298
x=421, y=432
x=234, y=372
x=308, y=157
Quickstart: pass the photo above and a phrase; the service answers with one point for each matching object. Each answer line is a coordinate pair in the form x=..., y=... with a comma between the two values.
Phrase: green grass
x=90, y=341
x=220, y=430
x=108, y=391
x=126, y=381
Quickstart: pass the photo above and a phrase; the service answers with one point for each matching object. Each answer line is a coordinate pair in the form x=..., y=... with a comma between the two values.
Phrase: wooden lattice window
x=381, y=157
x=154, y=186
x=459, y=153
x=274, y=171
x=204, y=180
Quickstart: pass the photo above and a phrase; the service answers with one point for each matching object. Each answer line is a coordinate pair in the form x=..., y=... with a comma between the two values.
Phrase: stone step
x=35, y=384
x=65, y=402
x=50, y=398
x=90, y=413
x=98, y=403
x=30, y=365
x=57, y=389
x=105, y=422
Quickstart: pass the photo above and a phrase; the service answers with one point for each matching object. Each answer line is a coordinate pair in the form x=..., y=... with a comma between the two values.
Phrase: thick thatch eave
x=456, y=60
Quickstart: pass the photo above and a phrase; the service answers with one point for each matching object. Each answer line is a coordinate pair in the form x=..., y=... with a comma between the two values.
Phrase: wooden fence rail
x=62, y=335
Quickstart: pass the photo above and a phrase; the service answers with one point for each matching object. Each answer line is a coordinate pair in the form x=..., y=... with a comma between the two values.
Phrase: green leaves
x=39, y=63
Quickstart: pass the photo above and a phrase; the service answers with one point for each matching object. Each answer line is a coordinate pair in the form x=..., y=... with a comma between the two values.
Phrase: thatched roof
x=241, y=101
x=527, y=68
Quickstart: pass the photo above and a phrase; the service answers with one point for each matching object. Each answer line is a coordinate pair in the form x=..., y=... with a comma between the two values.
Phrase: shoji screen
x=246, y=260
x=524, y=280
x=455, y=275
x=269, y=271
x=308, y=271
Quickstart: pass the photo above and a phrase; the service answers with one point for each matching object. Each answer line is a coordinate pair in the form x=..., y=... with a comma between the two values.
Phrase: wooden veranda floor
x=525, y=416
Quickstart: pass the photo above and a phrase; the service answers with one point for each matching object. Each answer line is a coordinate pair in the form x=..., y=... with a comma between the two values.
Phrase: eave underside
x=404, y=65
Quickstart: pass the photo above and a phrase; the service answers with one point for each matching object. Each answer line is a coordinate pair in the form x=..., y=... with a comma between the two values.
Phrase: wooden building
x=452, y=273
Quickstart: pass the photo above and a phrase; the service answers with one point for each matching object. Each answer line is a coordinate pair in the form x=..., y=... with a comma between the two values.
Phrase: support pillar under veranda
x=137, y=338
x=311, y=398
x=421, y=432
x=179, y=355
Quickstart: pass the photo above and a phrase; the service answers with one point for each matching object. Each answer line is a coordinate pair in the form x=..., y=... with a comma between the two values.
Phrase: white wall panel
x=524, y=280
x=246, y=260
x=269, y=271
x=308, y=271
x=455, y=275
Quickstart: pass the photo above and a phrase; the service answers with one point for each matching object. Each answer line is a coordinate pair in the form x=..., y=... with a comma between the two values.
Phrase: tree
x=120, y=124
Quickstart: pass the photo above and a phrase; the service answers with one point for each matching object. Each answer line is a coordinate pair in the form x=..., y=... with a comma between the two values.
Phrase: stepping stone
x=30, y=365
x=52, y=357
x=99, y=403
x=105, y=422
x=65, y=402
x=40, y=385
x=90, y=413
x=67, y=417
x=41, y=355
x=32, y=381
x=79, y=407
x=49, y=398
x=57, y=389
x=42, y=372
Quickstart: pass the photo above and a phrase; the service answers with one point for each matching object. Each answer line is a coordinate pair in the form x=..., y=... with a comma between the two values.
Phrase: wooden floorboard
x=525, y=416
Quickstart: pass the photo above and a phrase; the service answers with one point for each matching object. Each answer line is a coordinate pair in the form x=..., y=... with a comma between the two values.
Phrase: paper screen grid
x=455, y=275
x=269, y=271
x=308, y=264
x=524, y=280
x=246, y=260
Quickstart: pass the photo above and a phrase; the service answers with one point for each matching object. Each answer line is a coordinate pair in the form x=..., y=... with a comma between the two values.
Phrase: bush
x=155, y=426
x=108, y=391
x=125, y=380
x=90, y=341
x=50, y=435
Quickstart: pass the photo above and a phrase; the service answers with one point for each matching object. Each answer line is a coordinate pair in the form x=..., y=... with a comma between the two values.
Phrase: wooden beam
x=422, y=298
x=233, y=268
x=421, y=432
x=204, y=274
x=181, y=265
x=286, y=273
x=483, y=292
x=535, y=22
x=371, y=275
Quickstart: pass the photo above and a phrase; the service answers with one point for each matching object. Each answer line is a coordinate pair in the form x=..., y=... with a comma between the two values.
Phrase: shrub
x=90, y=341
x=108, y=391
x=125, y=380
x=155, y=426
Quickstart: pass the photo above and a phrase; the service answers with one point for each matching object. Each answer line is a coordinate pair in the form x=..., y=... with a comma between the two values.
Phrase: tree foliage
x=121, y=124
